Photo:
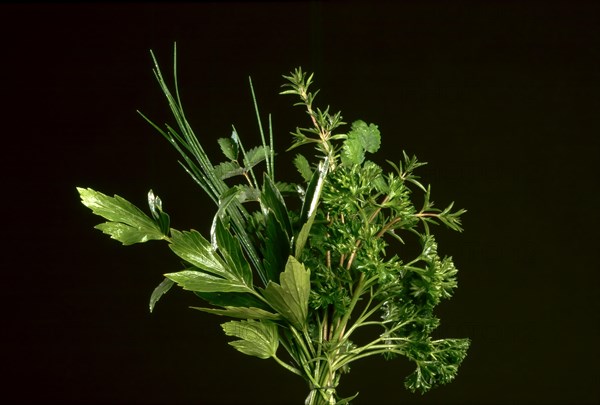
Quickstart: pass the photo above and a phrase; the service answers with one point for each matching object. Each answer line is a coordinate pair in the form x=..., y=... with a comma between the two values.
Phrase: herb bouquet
x=305, y=286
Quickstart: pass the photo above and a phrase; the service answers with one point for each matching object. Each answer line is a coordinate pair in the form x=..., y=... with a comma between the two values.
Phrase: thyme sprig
x=299, y=284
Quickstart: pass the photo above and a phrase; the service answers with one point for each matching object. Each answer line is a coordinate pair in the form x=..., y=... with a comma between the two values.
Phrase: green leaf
x=127, y=223
x=159, y=291
x=196, y=250
x=258, y=338
x=452, y=219
x=286, y=188
x=303, y=235
x=309, y=195
x=231, y=250
x=232, y=299
x=233, y=195
x=313, y=190
x=161, y=218
x=255, y=155
x=226, y=170
x=361, y=138
x=368, y=135
x=290, y=297
x=241, y=312
x=437, y=362
x=194, y=280
x=275, y=247
x=353, y=152
x=303, y=167
x=229, y=148
x=124, y=233
x=272, y=200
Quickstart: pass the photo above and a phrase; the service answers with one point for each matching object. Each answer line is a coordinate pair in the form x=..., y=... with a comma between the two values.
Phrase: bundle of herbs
x=299, y=284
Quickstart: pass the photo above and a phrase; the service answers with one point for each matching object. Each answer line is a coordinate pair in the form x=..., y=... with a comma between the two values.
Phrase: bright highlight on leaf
x=302, y=266
x=126, y=223
x=258, y=338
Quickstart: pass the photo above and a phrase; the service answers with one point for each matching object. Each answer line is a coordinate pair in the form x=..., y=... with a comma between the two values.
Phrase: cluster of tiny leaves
x=302, y=282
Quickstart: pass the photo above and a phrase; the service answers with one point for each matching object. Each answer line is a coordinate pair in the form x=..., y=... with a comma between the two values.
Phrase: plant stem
x=324, y=391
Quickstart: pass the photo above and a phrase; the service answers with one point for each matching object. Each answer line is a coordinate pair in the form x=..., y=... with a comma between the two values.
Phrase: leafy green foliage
x=241, y=312
x=437, y=362
x=306, y=280
x=159, y=291
x=303, y=167
x=257, y=338
x=126, y=223
x=362, y=138
x=290, y=297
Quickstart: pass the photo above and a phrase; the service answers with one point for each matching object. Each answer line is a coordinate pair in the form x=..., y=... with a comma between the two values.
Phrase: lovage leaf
x=161, y=218
x=303, y=235
x=194, y=249
x=271, y=199
x=198, y=281
x=127, y=223
x=290, y=298
x=232, y=252
x=159, y=291
x=241, y=312
x=258, y=338
x=275, y=247
x=232, y=299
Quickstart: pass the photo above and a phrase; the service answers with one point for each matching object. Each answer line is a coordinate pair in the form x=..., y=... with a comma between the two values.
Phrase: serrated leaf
x=258, y=338
x=303, y=167
x=241, y=312
x=232, y=299
x=254, y=156
x=226, y=170
x=234, y=194
x=275, y=248
x=159, y=291
x=290, y=297
x=229, y=148
x=128, y=224
x=196, y=250
x=194, y=280
x=247, y=193
x=303, y=235
x=368, y=135
x=271, y=199
x=230, y=249
x=353, y=152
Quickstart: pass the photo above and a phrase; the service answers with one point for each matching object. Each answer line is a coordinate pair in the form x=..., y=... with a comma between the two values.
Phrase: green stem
x=323, y=389
x=356, y=295
x=287, y=366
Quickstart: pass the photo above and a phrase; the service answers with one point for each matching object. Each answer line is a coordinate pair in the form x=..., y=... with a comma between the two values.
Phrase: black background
x=500, y=97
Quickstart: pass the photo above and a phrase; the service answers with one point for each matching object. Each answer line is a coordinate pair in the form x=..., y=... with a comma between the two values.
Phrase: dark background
x=500, y=97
